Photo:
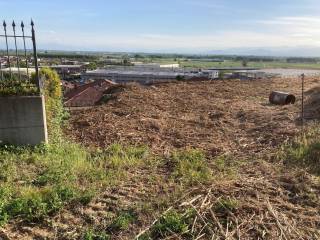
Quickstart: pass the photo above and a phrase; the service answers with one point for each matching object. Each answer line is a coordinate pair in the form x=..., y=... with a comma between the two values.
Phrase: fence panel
x=19, y=70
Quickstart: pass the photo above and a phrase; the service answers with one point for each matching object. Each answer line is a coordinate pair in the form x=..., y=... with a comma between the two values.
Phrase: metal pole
x=6, y=37
x=15, y=44
x=25, y=49
x=35, y=56
x=1, y=66
x=302, y=100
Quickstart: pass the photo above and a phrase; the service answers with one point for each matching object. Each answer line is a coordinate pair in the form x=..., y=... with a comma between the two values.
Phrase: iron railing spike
x=18, y=57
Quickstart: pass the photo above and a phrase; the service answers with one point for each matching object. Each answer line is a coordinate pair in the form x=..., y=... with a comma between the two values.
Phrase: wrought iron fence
x=19, y=70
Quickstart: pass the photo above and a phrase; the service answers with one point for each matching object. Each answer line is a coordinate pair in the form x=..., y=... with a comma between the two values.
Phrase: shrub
x=54, y=107
x=12, y=86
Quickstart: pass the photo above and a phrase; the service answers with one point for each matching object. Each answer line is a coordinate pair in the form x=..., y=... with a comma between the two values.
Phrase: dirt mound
x=225, y=115
x=312, y=105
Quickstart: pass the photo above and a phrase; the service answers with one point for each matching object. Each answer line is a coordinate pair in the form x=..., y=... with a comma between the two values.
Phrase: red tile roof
x=88, y=94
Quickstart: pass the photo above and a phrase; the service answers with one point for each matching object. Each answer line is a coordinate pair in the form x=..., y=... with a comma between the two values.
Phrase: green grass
x=122, y=221
x=171, y=223
x=95, y=235
x=226, y=166
x=225, y=205
x=275, y=64
x=304, y=151
x=191, y=167
x=38, y=181
x=233, y=63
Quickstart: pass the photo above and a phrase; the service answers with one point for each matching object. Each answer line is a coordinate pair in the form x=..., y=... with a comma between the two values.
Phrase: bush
x=54, y=107
x=10, y=85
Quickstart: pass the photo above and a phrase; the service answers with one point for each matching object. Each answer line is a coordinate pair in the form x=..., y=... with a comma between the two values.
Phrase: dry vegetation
x=219, y=162
x=218, y=117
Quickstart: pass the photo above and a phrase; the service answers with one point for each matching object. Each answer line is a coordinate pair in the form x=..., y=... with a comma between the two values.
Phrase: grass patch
x=304, y=151
x=225, y=166
x=118, y=157
x=225, y=205
x=122, y=221
x=95, y=235
x=170, y=224
x=38, y=181
x=191, y=167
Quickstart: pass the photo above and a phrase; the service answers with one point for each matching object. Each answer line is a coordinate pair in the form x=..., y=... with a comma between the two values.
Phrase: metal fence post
x=25, y=49
x=16, y=48
x=302, y=100
x=35, y=57
x=6, y=37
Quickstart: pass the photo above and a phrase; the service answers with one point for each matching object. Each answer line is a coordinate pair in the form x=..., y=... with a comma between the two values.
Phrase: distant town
x=84, y=76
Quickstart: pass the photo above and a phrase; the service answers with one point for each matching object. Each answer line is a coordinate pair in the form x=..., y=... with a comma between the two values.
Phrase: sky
x=177, y=26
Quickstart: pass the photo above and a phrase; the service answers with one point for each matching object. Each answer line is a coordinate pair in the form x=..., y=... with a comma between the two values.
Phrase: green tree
x=244, y=63
x=92, y=66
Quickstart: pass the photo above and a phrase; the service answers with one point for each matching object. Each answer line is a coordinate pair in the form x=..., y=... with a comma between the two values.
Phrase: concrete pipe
x=281, y=98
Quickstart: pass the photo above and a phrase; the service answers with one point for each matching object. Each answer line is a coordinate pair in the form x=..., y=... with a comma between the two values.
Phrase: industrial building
x=156, y=65
x=144, y=77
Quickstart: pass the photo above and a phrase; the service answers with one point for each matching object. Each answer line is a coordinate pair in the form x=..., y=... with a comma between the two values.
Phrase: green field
x=232, y=63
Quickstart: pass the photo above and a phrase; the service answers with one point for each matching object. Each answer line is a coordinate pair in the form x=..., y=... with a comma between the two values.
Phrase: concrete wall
x=23, y=120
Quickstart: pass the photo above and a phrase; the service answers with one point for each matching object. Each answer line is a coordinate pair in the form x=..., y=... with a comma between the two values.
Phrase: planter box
x=23, y=120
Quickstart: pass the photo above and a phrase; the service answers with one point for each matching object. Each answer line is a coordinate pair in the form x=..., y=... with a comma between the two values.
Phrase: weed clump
x=95, y=235
x=171, y=223
x=122, y=221
x=226, y=205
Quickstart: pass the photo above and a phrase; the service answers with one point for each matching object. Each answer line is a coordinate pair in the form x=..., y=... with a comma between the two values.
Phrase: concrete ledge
x=23, y=120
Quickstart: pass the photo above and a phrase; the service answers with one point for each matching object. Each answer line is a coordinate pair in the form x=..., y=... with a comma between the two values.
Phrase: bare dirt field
x=218, y=117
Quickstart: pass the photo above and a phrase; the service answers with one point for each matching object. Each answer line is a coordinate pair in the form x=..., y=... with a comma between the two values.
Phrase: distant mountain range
x=263, y=51
x=275, y=51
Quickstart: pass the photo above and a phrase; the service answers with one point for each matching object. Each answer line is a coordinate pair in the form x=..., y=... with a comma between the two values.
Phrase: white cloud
x=277, y=32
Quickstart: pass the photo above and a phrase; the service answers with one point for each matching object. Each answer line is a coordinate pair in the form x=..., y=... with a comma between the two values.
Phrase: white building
x=125, y=76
